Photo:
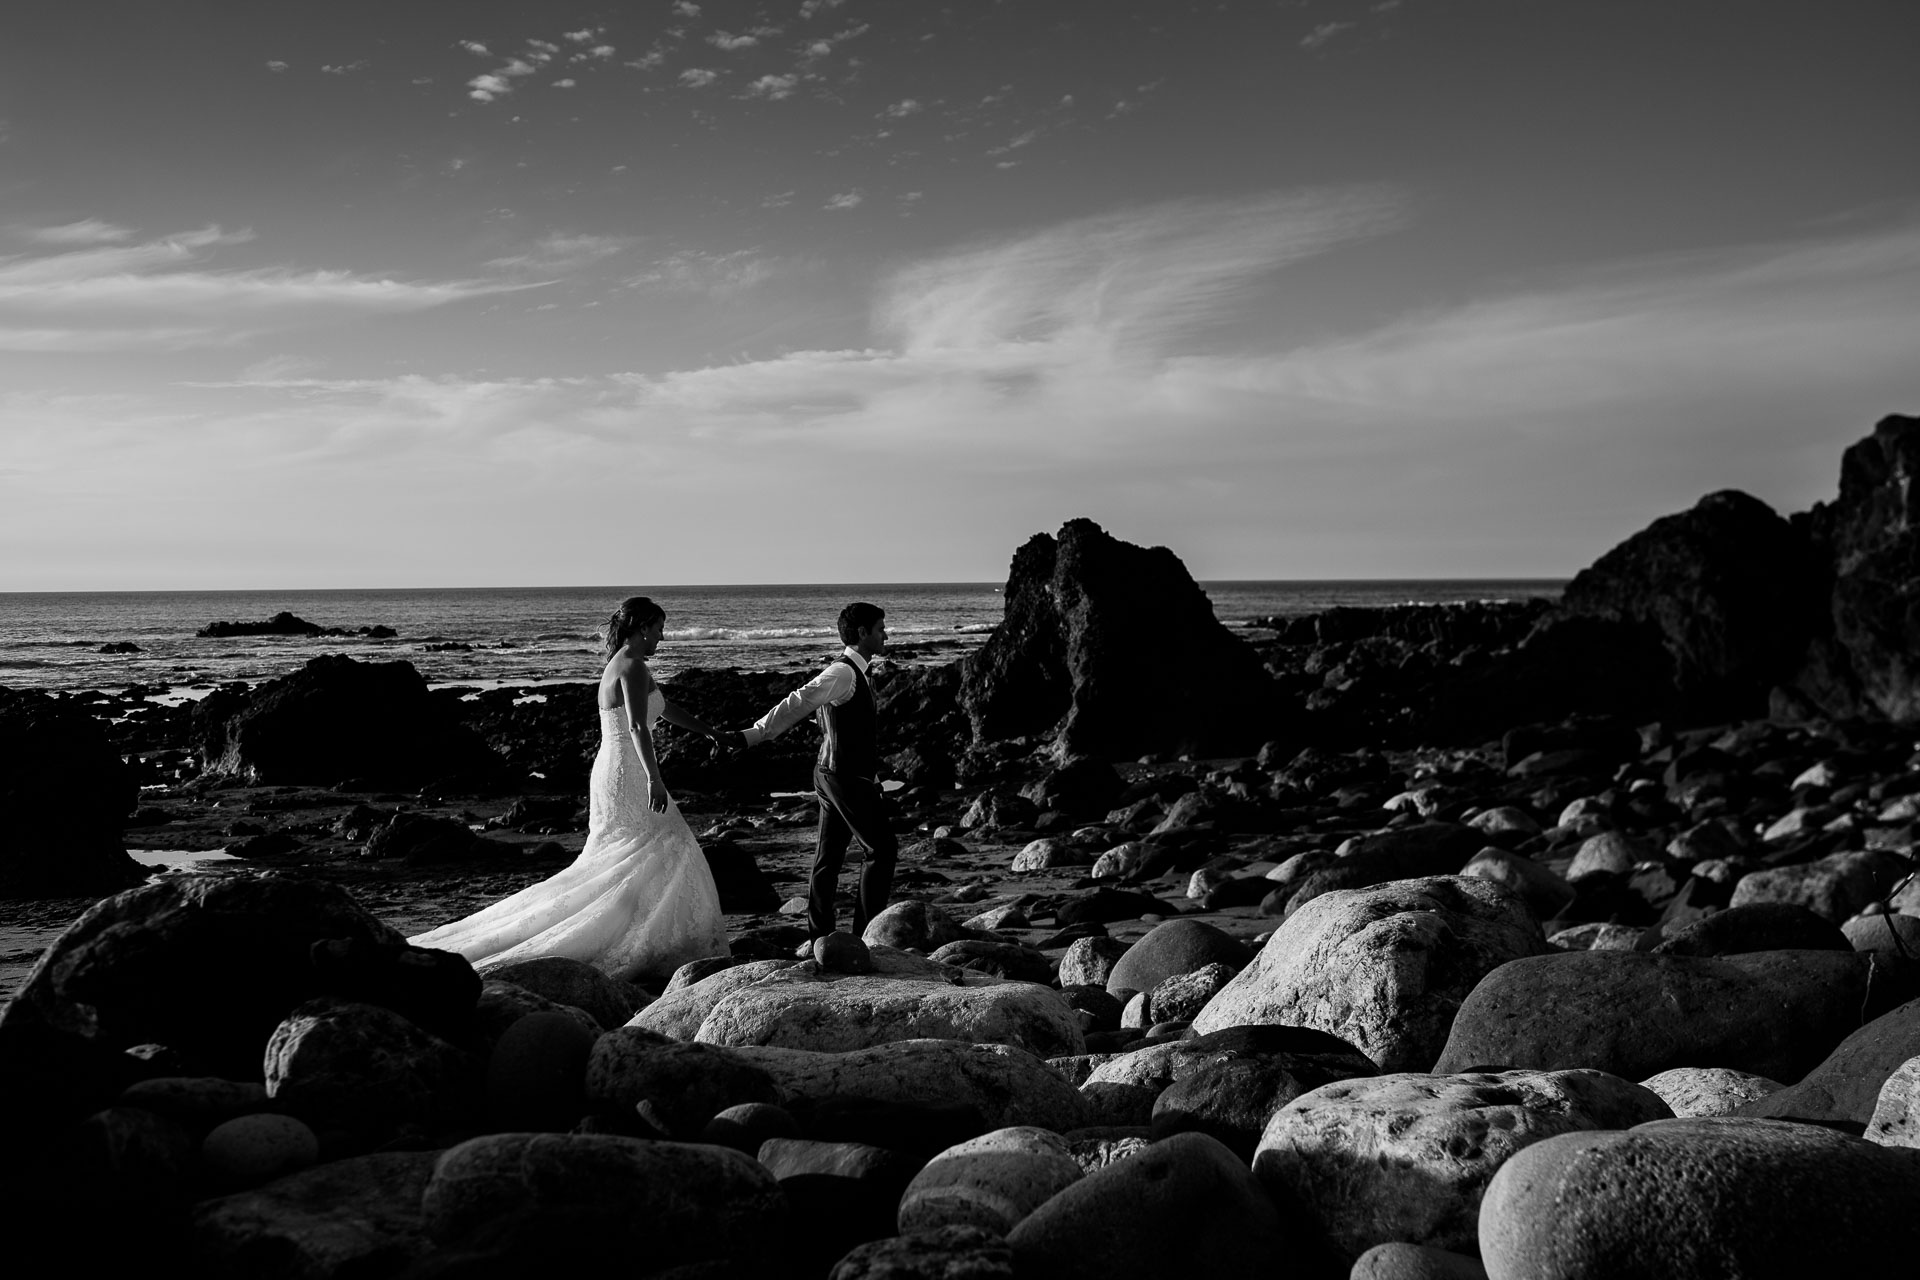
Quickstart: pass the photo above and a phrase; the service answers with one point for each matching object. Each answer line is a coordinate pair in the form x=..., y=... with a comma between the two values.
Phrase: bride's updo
x=634, y=613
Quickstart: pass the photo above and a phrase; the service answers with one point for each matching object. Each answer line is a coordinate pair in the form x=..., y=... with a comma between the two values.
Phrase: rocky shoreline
x=1518, y=939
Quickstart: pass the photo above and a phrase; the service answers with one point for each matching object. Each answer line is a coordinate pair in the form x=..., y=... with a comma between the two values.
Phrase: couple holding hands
x=639, y=901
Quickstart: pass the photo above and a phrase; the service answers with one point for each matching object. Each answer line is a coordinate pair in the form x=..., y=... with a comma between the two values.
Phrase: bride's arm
x=635, y=683
x=672, y=713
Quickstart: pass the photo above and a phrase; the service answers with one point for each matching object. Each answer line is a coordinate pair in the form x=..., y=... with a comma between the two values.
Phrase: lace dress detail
x=639, y=901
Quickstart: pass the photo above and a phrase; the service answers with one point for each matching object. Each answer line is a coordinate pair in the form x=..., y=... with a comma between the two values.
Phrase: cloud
x=85, y=231
x=565, y=84
x=276, y=66
x=713, y=274
x=1318, y=37
x=559, y=252
x=346, y=69
x=773, y=88
x=778, y=200
x=729, y=42
x=901, y=109
x=1014, y=143
x=698, y=77
x=601, y=51
x=497, y=84
x=584, y=35
x=808, y=8
x=476, y=48
x=845, y=200
x=161, y=294
x=686, y=8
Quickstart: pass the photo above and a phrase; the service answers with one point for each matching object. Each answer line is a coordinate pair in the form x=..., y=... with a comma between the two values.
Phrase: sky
x=437, y=293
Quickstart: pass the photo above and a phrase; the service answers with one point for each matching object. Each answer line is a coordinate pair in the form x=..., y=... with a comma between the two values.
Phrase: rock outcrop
x=337, y=719
x=66, y=794
x=1086, y=616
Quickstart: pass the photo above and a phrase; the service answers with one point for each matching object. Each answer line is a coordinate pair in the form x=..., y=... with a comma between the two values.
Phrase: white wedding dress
x=638, y=902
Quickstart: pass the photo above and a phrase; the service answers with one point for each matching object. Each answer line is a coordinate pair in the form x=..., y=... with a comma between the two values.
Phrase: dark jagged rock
x=1730, y=587
x=336, y=719
x=1869, y=660
x=1086, y=614
x=66, y=794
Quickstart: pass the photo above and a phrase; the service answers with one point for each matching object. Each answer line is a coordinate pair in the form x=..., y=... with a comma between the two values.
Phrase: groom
x=846, y=772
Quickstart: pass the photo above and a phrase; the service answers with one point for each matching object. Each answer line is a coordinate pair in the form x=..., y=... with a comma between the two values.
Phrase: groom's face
x=873, y=639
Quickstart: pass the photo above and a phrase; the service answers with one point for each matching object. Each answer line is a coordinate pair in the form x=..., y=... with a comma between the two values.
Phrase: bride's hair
x=634, y=613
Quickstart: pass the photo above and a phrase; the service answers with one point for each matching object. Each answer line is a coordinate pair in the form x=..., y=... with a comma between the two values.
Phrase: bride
x=639, y=901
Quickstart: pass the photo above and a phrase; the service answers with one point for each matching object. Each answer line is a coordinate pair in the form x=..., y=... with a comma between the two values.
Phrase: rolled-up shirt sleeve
x=833, y=685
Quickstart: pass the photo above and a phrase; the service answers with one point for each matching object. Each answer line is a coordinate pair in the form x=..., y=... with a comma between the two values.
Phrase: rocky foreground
x=1523, y=940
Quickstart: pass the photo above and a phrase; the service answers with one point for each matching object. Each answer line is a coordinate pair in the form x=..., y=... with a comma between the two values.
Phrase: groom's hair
x=857, y=617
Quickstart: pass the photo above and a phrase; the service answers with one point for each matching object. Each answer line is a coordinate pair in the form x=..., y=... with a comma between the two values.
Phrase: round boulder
x=992, y=1181
x=1171, y=948
x=249, y=1150
x=1384, y=967
x=1700, y=1198
x=1408, y=1157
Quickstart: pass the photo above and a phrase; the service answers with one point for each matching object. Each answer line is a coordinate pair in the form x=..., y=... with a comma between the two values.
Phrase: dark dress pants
x=850, y=809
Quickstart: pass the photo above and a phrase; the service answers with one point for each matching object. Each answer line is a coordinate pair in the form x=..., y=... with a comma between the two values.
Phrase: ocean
x=500, y=636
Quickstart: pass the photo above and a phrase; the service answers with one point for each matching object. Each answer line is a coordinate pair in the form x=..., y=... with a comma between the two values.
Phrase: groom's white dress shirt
x=831, y=688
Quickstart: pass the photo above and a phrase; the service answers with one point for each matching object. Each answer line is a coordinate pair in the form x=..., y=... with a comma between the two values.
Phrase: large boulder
x=1234, y=1073
x=358, y=1216
x=66, y=793
x=1730, y=587
x=684, y=1086
x=677, y=1014
x=366, y=1070
x=207, y=965
x=1186, y=1206
x=1396, y=853
x=601, y=1197
x=1694, y=1199
x=337, y=719
x=807, y=1008
x=1085, y=615
x=1407, y=1157
x=1635, y=1014
x=1008, y=1086
x=1171, y=948
x=1844, y=1088
x=992, y=1181
x=1383, y=968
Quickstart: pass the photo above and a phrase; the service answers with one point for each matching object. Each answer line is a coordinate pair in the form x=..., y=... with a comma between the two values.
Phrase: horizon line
x=701, y=586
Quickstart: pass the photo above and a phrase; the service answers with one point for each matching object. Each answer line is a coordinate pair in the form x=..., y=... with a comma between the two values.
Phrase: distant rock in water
x=1117, y=648
x=119, y=646
x=66, y=794
x=287, y=624
x=336, y=719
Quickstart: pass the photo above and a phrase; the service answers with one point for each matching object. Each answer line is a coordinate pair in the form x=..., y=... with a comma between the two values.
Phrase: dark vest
x=850, y=732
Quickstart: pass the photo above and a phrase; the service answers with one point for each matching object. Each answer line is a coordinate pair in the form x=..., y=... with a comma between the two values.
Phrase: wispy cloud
x=846, y=200
x=728, y=41
x=713, y=274
x=161, y=293
x=85, y=231
x=276, y=66
x=698, y=77
x=1320, y=35
x=561, y=252
x=901, y=109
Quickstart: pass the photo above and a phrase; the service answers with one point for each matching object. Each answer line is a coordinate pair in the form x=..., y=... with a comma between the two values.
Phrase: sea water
x=497, y=636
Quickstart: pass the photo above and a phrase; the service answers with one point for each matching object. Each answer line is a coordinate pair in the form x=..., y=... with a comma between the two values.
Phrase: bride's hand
x=657, y=798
